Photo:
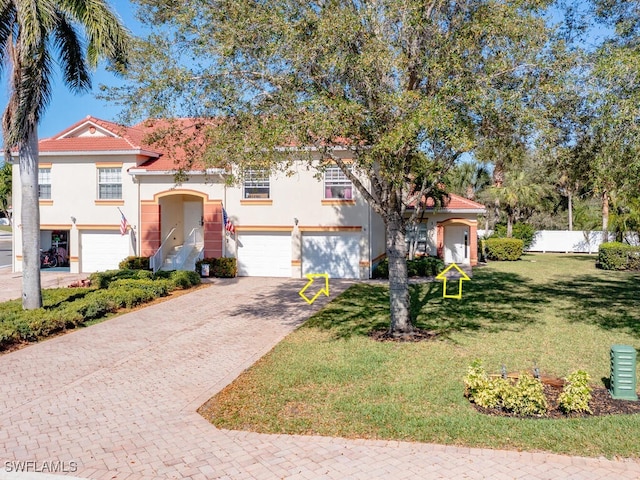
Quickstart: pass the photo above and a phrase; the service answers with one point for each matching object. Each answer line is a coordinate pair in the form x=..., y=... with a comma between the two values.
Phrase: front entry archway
x=458, y=241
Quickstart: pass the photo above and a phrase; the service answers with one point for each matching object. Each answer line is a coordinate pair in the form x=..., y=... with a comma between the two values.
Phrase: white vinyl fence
x=565, y=241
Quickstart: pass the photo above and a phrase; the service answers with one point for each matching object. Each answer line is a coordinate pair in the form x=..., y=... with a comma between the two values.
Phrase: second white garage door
x=100, y=251
x=335, y=254
x=264, y=255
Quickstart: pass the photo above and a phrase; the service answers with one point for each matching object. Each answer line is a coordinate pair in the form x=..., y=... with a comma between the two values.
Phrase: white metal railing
x=155, y=262
x=194, y=239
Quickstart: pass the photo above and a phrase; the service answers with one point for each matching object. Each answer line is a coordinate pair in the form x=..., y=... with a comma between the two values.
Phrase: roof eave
x=76, y=153
x=145, y=172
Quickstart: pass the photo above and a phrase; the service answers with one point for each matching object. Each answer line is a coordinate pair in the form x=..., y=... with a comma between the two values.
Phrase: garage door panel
x=336, y=255
x=102, y=251
x=264, y=255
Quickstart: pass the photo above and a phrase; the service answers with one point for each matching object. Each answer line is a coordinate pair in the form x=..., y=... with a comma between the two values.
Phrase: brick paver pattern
x=119, y=399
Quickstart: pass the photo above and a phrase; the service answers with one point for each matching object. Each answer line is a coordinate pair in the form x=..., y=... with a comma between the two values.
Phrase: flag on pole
x=123, y=223
x=228, y=225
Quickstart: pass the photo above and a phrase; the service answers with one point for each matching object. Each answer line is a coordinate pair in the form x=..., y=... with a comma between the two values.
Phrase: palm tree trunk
x=509, y=225
x=398, y=280
x=30, y=218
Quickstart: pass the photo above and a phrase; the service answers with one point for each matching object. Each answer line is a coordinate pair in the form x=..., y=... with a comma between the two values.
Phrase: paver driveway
x=118, y=400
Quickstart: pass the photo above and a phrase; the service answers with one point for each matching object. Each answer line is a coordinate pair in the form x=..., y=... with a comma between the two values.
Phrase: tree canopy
x=406, y=86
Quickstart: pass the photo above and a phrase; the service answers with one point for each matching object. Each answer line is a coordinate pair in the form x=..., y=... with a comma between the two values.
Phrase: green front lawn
x=330, y=378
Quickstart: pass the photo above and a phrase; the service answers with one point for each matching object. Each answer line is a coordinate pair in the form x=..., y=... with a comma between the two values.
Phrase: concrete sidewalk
x=118, y=400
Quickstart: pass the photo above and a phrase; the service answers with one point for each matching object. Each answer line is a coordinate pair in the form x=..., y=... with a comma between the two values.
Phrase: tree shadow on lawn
x=492, y=301
x=611, y=303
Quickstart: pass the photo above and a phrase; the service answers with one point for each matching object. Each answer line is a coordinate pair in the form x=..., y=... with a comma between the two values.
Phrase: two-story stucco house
x=95, y=172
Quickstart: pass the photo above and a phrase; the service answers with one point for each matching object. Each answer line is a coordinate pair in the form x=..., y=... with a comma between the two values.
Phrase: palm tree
x=516, y=194
x=32, y=34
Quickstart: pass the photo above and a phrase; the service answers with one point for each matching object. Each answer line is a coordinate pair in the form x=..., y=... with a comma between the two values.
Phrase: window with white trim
x=44, y=183
x=336, y=184
x=110, y=183
x=256, y=184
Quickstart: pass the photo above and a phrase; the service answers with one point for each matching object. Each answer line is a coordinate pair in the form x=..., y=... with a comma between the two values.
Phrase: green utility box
x=623, y=373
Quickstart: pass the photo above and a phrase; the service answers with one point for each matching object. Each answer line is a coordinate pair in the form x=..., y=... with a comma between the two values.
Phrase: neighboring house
x=95, y=172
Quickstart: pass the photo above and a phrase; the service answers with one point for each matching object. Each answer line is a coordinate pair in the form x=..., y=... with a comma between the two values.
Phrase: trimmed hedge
x=134, y=263
x=419, y=267
x=504, y=249
x=618, y=256
x=65, y=308
x=224, y=267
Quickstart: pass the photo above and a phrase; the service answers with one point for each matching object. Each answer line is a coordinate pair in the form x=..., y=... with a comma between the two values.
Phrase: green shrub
x=618, y=256
x=418, y=267
x=129, y=297
x=428, y=266
x=134, y=263
x=576, y=394
x=224, y=267
x=504, y=249
x=527, y=397
x=96, y=305
x=522, y=231
x=475, y=380
x=524, y=398
x=381, y=269
x=159, y=288
x=184, y=279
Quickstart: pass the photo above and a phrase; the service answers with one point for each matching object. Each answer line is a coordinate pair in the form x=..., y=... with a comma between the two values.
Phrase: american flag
x=228, y=225
x=123, y=223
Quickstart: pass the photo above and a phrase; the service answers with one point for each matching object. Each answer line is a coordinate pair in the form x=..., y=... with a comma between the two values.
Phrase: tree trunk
x=30, y=218
x=509, y=225
x=570, y=199
x=398, y=280
x=605, y=216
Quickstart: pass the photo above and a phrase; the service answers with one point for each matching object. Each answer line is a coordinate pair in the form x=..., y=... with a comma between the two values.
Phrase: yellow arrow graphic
x=461, y=278
x=312, y=277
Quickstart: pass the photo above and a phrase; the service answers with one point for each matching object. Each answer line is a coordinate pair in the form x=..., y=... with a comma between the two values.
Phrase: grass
x=555, y=311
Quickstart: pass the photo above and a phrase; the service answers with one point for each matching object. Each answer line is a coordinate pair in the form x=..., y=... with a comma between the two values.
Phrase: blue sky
x=66, y=108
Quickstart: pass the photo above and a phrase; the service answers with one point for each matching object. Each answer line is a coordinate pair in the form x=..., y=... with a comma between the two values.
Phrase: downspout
x=224, y=227
x=139, y=232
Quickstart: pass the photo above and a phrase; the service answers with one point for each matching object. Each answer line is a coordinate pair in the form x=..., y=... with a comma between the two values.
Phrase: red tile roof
x=456, y=202
x=118, y=138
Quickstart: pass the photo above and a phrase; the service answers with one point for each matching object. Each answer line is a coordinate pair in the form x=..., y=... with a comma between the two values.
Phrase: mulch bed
x=601, y=404
x=418, y=335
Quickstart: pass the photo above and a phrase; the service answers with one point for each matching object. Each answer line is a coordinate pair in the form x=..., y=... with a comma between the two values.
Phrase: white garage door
x=264, y=255
x=100, y=251
x=335, y=254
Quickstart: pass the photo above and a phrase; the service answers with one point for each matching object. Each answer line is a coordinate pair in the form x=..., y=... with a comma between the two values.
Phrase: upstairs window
x=256, y=184
x=109, y=183
x=44, y=183
x=337, y=185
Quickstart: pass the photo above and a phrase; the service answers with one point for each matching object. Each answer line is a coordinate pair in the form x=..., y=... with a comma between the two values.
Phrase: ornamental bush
x=618, y=256
x=134, y=263
x=525, y=397
x=504, y=249
x=576, y=394
x=224, y=267
x=418, y=267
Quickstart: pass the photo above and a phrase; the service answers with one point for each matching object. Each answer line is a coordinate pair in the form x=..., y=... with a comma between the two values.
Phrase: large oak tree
x=406, y=86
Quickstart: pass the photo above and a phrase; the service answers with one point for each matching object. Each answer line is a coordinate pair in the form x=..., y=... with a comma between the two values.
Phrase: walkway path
x=118, y=400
